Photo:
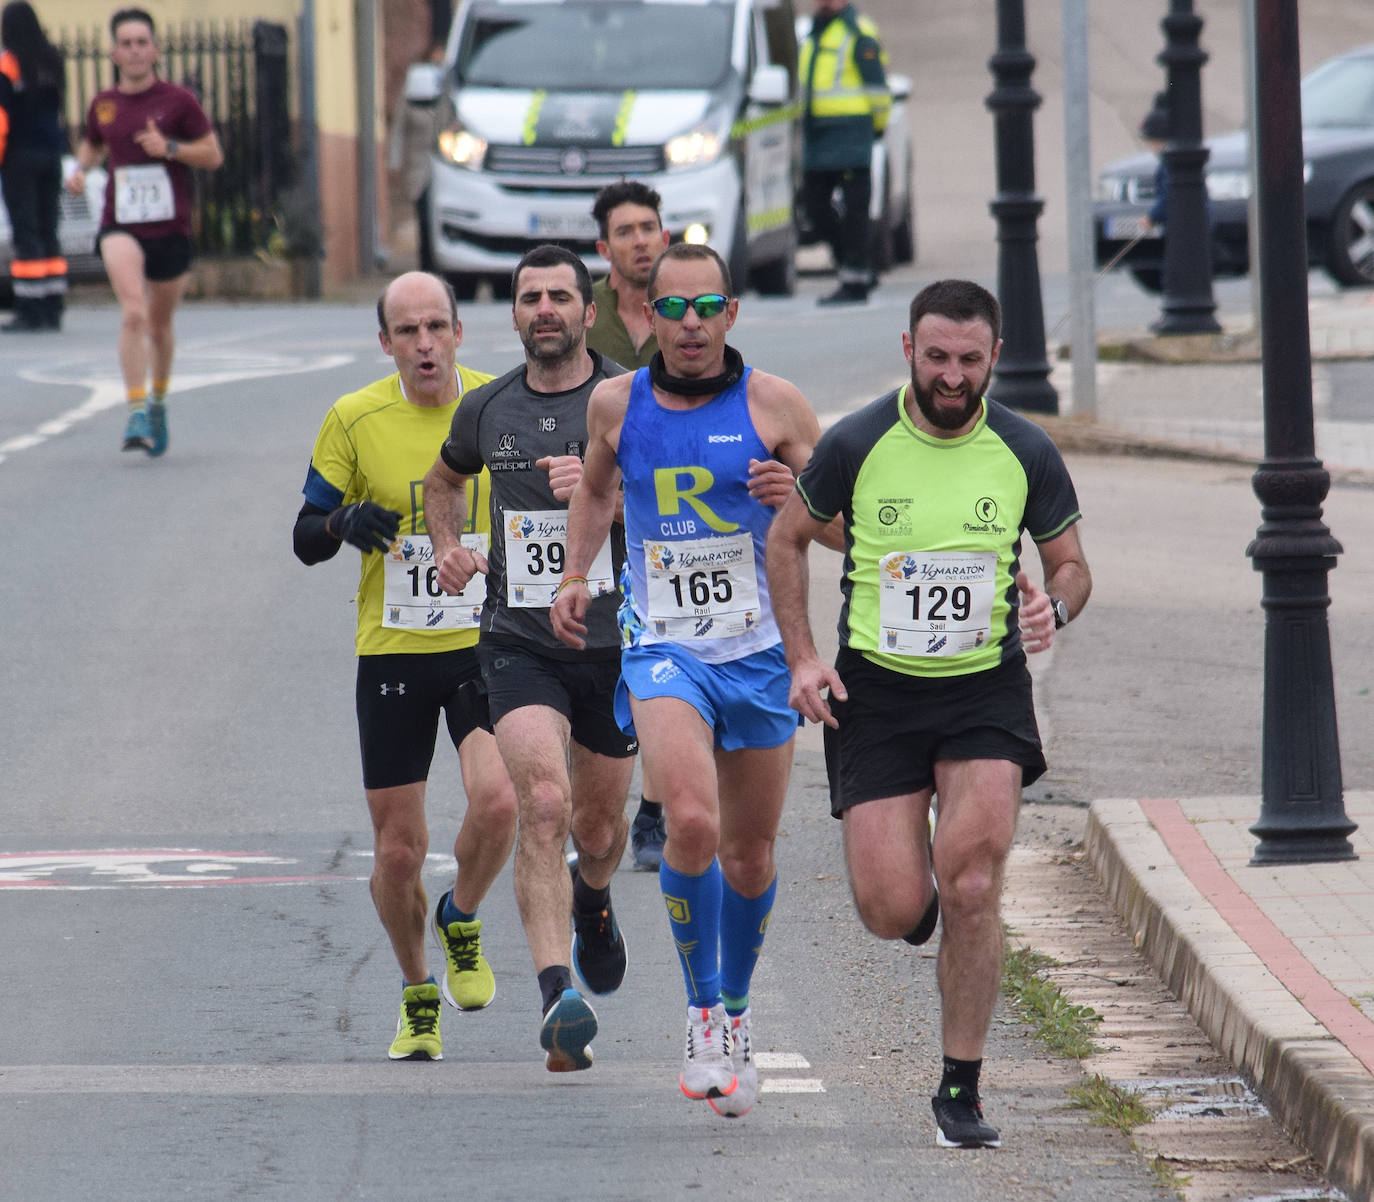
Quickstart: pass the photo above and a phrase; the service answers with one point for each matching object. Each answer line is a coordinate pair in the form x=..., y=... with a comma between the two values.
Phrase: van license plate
x=562, y=225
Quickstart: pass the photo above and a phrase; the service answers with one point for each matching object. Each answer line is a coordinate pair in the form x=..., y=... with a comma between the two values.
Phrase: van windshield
x=596, y=47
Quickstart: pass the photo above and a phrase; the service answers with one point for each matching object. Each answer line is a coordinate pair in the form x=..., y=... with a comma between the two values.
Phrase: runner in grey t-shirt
x=510, y=428
x=551, y=711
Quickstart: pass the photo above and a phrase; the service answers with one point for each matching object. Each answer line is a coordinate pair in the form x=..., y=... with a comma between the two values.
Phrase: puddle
x=1200, y=1097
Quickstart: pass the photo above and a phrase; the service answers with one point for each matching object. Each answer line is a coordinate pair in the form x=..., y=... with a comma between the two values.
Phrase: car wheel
x=777, y=277
x=464, y=286
x=500, y=286
x=904, y=234
x=738, y=260
x=424, y=244
x=880, y=233
x=1350, y=243
x=1149, y=278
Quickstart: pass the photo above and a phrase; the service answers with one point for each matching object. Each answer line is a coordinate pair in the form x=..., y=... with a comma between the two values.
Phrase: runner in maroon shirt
x=153, y=134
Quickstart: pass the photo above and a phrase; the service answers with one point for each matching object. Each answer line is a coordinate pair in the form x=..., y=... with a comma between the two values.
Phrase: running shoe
x=157, y=427
x=417, y=1030
x=707, y=1071
x=468, y=982
x=647, y=837
x=138, y=434
x=567, y=1032
x=959, y=1120
x=598, y=950
x=741, y=1101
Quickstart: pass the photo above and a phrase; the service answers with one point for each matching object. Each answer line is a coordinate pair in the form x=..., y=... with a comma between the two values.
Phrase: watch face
x=1061, y=613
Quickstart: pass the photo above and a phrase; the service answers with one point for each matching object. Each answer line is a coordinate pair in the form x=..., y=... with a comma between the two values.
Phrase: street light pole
x=1187, y=306
x=1023, y=372
x=1302, y=814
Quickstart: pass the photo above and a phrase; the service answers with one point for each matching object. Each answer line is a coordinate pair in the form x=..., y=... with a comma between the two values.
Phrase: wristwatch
x=1061, y=612
x=172, y=147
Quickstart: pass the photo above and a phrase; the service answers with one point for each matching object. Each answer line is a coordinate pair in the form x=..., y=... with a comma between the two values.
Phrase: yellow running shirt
x=377, y=446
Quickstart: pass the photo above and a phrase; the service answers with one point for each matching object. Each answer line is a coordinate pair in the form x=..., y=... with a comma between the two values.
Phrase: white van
x=544, y=102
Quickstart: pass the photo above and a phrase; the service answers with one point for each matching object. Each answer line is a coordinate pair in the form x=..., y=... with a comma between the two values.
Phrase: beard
x=546, y=352
x=949, y=419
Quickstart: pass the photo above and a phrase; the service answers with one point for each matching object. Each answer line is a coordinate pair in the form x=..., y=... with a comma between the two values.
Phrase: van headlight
x=695, y=148
x=704, y=143
x=461, y=147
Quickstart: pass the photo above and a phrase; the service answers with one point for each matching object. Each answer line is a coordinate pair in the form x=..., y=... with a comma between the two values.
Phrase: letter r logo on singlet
x=672, y=491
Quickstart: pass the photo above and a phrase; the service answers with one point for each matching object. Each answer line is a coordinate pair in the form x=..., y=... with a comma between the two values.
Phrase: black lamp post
x=1023, y=372
x=1302, y=815
x=1187, y=306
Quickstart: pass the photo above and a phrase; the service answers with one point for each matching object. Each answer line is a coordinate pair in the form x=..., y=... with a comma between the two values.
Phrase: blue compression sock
x=743, y=924
x=694, y=917
x=451, y=913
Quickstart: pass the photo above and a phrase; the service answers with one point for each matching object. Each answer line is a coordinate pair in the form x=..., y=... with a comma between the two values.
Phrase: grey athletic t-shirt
x=507, y=426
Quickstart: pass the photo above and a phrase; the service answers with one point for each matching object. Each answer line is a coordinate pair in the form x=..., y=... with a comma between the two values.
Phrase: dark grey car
x=1338, y=166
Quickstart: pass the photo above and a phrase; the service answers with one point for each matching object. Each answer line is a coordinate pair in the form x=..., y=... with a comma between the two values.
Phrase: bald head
x=413, y=286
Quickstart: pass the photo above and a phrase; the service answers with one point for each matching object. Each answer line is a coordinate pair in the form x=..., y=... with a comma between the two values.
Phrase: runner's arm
x=310, y=537
x=446, y=513
x=591, y=510
x=789, y=580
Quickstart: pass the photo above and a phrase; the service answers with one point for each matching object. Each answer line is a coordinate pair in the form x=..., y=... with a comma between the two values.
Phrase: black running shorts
x=166, y=257
x=399, y=698
x=582, y=691
x=893, y=728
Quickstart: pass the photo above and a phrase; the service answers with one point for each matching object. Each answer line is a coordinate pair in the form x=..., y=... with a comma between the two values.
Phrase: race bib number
x=703, y=588
x=143, y=193
x=534, y=559
x=935, y=603
x=411, y=596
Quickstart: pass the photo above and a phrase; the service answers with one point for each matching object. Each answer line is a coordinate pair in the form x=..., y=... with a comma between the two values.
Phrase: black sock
x=652, y=808
x=961, y=1074
x=586, y=899
x=552, y=981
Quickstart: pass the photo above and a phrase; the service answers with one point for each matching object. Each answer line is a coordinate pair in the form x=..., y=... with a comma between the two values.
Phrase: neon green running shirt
x=933, y=531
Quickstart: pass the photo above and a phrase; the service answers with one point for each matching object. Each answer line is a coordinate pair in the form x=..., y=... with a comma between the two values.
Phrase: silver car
x=77, y=227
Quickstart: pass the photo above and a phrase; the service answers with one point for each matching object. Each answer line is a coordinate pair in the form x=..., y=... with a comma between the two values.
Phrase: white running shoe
x=741, y=1101
x=706, y=1068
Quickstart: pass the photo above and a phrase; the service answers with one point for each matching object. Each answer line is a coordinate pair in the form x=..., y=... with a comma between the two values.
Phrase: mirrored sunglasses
x=674, y=308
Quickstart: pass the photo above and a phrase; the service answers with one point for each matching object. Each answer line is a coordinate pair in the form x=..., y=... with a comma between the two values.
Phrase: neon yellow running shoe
x=417, y=1030
x=468, y=982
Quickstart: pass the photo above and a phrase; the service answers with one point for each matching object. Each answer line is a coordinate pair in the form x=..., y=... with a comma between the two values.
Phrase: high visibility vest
x=834, y=86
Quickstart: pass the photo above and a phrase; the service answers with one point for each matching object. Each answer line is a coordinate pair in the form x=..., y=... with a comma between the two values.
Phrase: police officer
x=846, y=105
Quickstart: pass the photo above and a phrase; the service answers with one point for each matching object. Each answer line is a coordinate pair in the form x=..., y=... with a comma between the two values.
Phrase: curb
x=1086, y=436
x=1310, y=1081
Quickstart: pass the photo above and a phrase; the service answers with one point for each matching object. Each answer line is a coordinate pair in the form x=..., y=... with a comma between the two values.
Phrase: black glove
x=366, y=525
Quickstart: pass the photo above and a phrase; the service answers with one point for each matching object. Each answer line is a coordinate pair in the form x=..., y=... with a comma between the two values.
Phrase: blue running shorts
x=744, y=700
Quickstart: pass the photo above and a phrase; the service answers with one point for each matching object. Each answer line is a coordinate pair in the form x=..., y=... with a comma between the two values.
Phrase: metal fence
x=240, y=74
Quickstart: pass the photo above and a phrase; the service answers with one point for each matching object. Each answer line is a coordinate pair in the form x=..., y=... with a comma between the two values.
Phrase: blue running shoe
x=567, y=1032
x=157, y=426
x=138, y=434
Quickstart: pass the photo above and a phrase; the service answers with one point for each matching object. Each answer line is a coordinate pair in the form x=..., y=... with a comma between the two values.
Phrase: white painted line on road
x=781, y=1060
x=158, y=868
x=373, y=1077
x=790, y=1085
x=109, y=393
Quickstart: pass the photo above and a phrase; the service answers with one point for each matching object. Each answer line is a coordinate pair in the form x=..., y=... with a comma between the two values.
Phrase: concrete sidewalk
x=1276, y=963
x=1202, y=394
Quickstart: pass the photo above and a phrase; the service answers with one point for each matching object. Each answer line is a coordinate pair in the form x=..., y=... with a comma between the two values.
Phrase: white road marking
x=107, y=393
x=791, y=1085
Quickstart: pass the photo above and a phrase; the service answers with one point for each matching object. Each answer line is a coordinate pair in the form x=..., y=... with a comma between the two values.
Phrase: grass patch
x=1111, y=1106
x=1066, y=1029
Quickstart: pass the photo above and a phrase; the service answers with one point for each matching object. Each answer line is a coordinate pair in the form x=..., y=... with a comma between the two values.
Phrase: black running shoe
x=959, y=1120
x=599, y=952
x=926, y=927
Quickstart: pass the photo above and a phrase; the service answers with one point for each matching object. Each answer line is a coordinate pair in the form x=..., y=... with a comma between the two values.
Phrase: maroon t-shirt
x=113, y=119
